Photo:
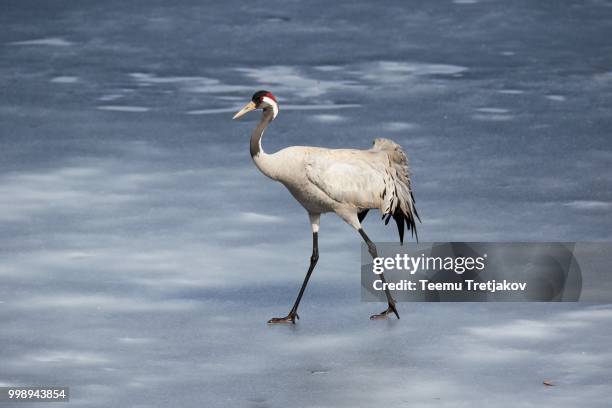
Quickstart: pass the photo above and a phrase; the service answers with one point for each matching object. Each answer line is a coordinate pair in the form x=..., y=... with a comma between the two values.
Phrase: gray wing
x=350, y=177
x=364, y=179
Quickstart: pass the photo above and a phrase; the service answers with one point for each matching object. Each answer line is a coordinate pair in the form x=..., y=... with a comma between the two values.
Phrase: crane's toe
x=386, y=313
x=290, y=318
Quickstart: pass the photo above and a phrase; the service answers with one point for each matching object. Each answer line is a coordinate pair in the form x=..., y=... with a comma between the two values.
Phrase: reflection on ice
x=511, y=91
x=124, y=108
x=492, y=118
x=419, y=68
x=557, y=98
x=287, y=81
x=65, y=80
x=259, y=218
x=66, y=358
x=493, y=110
x=492, y=114
x=399, y=72
x=327, y=118
x=590, y=205
x=399, y=126
x=111, y=97
x=50, y=41
x=196, y=84
x=328, y=68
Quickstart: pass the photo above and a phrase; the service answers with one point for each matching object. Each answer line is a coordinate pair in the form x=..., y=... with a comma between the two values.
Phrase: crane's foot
x=386, y=313
x=290, y=318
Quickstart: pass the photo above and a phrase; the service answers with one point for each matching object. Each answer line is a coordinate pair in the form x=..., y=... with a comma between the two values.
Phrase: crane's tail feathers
x=361, y=216
x=397, y=197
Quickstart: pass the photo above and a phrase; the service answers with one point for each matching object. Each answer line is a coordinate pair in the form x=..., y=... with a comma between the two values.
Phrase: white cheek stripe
x=272, y=103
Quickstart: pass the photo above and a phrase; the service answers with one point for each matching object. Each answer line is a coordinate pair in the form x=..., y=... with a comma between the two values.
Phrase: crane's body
x=348, y=182
x=343, y=181
x=288, y=166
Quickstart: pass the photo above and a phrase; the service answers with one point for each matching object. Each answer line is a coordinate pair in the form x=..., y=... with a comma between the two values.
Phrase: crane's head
x=260, y=100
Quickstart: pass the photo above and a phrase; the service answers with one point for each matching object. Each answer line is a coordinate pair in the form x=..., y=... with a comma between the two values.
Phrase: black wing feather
x=362, y=215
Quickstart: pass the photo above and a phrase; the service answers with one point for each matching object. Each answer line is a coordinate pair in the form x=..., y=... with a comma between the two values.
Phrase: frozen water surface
x=142, y=252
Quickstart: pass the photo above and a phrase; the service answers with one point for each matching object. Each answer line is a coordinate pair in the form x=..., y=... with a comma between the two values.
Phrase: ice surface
x=142, y=252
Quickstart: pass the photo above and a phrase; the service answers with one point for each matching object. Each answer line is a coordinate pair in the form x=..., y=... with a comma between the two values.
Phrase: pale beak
x=247, y=108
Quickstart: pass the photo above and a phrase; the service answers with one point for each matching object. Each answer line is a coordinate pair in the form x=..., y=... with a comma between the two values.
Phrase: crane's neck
x=264, y=162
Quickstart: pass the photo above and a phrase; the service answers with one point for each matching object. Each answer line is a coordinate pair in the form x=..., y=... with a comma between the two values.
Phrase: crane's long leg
x=290, y=318
x=373, y=252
